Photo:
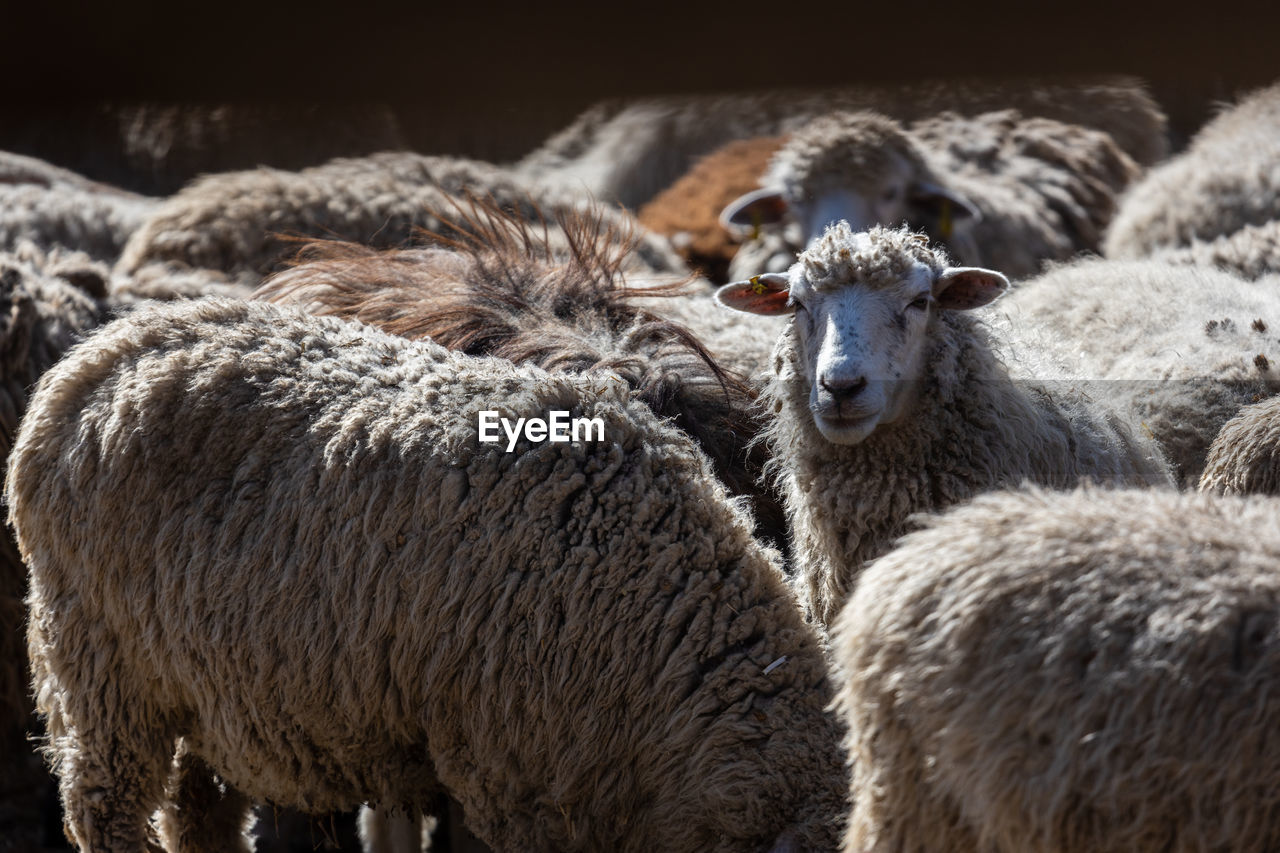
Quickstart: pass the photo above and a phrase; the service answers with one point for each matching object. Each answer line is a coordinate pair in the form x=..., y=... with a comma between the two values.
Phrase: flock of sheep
x=938, y=507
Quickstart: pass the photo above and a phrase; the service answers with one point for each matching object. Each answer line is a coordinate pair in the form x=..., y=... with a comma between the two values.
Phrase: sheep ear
x=756, y=208
x=761, y=294
x=944, y=203
x=963, y=288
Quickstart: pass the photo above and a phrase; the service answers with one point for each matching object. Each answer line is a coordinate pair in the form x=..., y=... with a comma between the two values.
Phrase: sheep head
x=865, y=307
x=860, y=167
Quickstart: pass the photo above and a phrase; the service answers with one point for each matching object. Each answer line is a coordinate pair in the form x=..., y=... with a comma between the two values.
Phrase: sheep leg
x=110, y=786
x=201, y=815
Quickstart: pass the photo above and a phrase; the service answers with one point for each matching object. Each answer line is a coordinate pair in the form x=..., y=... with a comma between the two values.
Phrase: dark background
x=491, y=81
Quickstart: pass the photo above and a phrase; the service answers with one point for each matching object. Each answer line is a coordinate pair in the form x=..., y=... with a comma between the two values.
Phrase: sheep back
x=1081, y=671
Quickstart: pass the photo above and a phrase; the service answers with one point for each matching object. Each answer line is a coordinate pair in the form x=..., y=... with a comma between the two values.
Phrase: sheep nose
x=843, y=388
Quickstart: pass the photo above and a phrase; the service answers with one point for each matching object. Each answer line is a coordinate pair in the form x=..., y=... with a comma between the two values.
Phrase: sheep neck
x=847, y=504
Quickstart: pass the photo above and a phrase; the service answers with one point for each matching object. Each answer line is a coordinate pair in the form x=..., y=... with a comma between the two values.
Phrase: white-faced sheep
x=501, y=288
x=1251, y=252
x=1177, y=348
x=1228, y=177
x=53, y=208
x=234, y=222
x=998, y=189
x=889, y=399
x=1081, y=672
x=46, y=302
x=628, y=151
x=1245, y=457
x=291, y=550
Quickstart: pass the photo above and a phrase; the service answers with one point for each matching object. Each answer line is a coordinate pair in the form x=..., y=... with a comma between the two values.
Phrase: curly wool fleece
x=290, y=549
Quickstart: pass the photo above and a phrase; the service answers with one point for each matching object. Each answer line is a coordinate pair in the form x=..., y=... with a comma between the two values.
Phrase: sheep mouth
x=839, y=429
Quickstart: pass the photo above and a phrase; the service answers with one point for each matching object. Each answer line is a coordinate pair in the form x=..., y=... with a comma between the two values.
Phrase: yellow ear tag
x=945, y=224
x=755, y=224
x=757, y=287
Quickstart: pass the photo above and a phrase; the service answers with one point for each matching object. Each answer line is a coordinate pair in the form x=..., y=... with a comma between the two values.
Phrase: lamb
x=1082, y=671
x=688, y=211
x=628, y=151
x=889, y=400
x=54, y=208
x=1228, y=178
x=1251, y=252
x=1245, y=457
x=45, y=304
x=232, y=223
x=1177, y=348
x=350, y=598
x=999, y=188
x=498, y=287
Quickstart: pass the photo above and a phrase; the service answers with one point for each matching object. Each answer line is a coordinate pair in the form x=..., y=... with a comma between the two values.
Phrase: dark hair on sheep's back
x=549, y=293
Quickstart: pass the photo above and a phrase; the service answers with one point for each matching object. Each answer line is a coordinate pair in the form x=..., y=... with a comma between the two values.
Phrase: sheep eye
x=921, y=303
x=890, y=194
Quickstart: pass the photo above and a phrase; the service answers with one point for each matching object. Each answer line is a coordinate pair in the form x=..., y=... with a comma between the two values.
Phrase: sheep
x=54, y=208
x=499, y=287
x=232, y=223
x=889, y=400
x=291, y=551
x=999, y=188
x=1082, y=671
x=1226, y=179
x=1245, y=457
x=688, y=211
x=1179, y=349
x=45, y=304
x=627, y=152
x=1251, y=252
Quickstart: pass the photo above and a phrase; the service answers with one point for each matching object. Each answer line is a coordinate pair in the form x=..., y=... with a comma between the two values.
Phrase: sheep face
x=861, y=168
x=865, y=310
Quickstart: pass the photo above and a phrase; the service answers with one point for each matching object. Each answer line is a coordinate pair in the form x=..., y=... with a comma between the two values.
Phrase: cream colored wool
x=973, y=429
x=628, y=151
x=1251, y=252
x=1080, y=672
x=1228, y=178
x=1176, y=348
x=290, y=550
x=237, y=222
x=1245, y=457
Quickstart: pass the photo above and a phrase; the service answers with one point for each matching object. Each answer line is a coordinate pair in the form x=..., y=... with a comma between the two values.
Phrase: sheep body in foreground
x=1078, y=672
x=998, y=189
x=628, y=151
x=349, y=598
x=889, y=399
x=1177, y=348
x=1226, y=179
x=47, y=305
x=1245, y=457
x=234, y=222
